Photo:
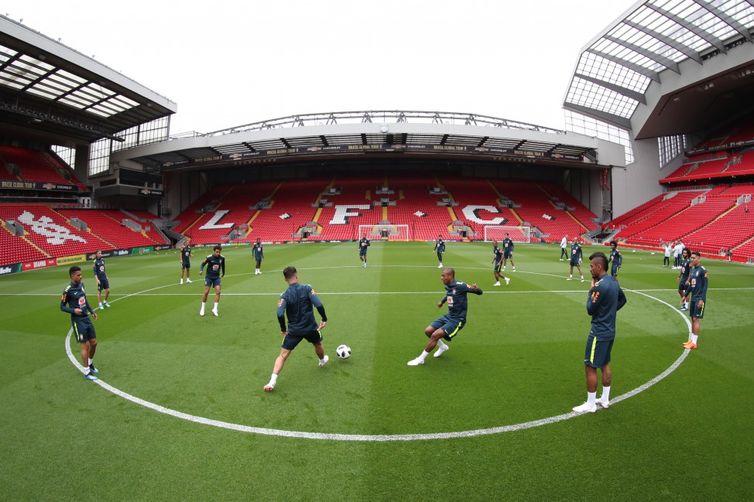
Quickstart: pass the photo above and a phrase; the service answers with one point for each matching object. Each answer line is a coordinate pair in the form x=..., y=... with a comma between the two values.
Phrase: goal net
x=497, y=233
x=385, y=232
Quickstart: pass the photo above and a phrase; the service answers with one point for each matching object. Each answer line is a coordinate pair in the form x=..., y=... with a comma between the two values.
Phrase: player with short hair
x=615, y=259
x=75, y=303
x=296, y=303
x=440, y=249
x=575, y=260
x=604, y=300
x=215, y=272
x=564, y=247
x=447, y=326
x=683, y=279
x=258, y=253
x=698, y=280
x=186, y=262
x=497, y=262
x=508, y=251
x=363, y=245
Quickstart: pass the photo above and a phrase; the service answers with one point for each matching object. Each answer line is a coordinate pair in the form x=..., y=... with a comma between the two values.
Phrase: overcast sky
x=227, y=63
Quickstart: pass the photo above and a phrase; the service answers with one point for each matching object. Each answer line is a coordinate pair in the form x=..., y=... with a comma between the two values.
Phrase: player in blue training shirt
x=508, y=251
x=440, y=249
x=215, y=272
x=575, y=260
x=604, y=300
x=698, y=280
x=258, y=253
x=102, y=283
x=363, y=245
x=683, y=278
x=497, y=264
x=186, y=262
x=447, y=326
x=75, y=303
x=615, y=259
x=296, y=303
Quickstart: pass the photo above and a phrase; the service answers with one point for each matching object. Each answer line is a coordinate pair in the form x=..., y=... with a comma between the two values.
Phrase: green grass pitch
x=519, y=359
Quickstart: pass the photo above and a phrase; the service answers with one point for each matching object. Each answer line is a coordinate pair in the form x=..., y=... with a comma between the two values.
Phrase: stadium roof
x=393, y=132
x=617, y=67
x=47, y=87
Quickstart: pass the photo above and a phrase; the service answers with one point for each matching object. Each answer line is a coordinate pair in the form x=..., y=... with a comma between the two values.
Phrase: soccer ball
x=343, y=351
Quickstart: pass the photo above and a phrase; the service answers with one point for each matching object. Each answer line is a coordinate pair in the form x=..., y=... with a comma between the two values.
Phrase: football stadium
x=172, y=254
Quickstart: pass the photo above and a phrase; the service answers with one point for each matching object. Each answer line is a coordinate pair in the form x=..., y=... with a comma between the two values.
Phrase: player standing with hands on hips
x=296, y=302
x=75, y=303
x=215, y=271
x=604, y=300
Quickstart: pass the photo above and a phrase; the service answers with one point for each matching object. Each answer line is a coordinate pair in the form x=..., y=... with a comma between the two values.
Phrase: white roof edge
x=37, y=39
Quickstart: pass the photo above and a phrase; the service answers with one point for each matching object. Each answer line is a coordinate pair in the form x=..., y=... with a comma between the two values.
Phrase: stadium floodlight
x=497, y=233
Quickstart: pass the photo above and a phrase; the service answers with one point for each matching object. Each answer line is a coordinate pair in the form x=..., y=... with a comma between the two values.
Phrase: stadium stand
x=714, y=221
x=535, y=202
x=50, y=232
x=115, y=227
x=31, y=165
x=418, y=208
x=413, y=201
x=291, y=209
x=15, y=249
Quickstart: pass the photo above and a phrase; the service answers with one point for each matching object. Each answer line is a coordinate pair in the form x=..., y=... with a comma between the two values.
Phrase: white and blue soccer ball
x=343, y=351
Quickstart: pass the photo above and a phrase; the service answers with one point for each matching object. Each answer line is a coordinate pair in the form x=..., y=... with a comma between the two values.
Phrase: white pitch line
x=372, y=437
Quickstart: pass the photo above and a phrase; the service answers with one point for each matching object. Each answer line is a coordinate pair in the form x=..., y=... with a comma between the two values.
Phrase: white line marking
x=372, y=437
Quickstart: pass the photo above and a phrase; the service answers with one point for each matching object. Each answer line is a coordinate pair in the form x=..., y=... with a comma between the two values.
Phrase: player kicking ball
x=447, y=326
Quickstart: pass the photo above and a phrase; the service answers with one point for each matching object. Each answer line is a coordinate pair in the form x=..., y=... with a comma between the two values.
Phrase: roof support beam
x=653, y=56
x=670, y=42
x=733, y=23
x=699, y=32
x=638, y=96
x=610, y=118
x=628, y=64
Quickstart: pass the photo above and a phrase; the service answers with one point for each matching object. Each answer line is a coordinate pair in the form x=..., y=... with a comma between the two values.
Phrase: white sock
x=203, y=305
x=441, y=345
x=215, y=307
x=423, y=355
x=570, y=276
x=591, y=397
x=90, y=361
x=273, y=379
x=694, y=337
x=605, y=393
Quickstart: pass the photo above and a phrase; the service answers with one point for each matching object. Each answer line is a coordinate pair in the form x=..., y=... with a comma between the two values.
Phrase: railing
x=375, y=116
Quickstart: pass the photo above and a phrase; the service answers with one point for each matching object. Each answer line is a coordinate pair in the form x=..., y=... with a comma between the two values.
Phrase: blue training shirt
x=698, y=282
x=456, y=297
x=604, y=300
x=296, y=303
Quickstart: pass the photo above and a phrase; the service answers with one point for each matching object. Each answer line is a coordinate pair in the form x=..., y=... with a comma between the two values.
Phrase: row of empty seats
x=713, y=167
x=428, y=207
x=110, y=225
x=23, y=164
x=718, y=221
